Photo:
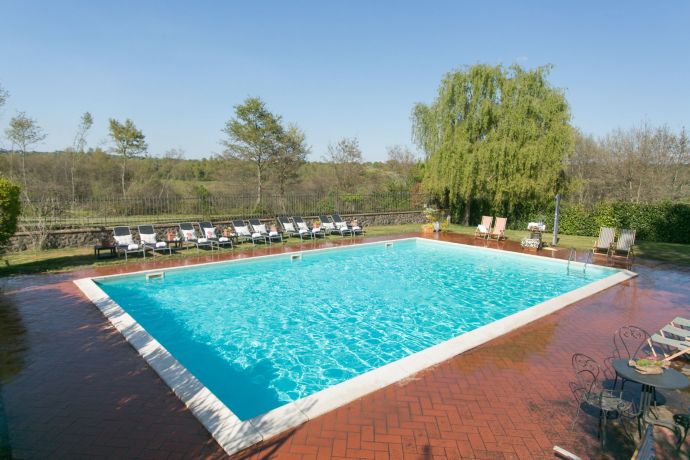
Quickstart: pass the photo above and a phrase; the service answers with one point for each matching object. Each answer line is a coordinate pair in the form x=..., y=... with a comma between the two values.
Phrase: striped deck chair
x=499, y=229
x=605, y=240
x=624, y=245
x=483, y=229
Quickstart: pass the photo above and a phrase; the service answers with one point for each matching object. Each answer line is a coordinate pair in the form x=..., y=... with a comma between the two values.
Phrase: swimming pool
x=263, y=333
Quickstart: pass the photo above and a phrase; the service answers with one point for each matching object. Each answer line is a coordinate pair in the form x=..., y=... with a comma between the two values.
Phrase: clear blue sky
x=335, y=69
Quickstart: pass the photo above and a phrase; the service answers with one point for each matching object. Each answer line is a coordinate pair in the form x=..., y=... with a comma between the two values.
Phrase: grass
x=68, y=259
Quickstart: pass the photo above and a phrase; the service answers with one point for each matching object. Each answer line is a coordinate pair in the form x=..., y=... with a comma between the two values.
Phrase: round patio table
x=669, y=379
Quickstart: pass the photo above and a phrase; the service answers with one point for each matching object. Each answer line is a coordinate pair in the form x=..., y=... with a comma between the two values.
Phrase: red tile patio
x=73, y=388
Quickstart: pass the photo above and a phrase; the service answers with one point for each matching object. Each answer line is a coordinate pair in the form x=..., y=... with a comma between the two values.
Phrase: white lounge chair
x=147, y=235
x=270, y=236
x=189, y=236
x=244, y=234
x=667, y=345
x=624, y=245
x=125, y=242
x=209, y=232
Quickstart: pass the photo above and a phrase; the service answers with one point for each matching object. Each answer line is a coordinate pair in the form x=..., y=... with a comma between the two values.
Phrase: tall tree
x=24, y=132
x=3, y=96
x=77, y=149
x=253, y=135
x=129, y=142
x=10, y=207
x=291, y=155
x=346, y=158
x=494, y=135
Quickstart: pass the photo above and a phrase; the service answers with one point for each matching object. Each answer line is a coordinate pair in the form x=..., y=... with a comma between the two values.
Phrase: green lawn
x=56, y=260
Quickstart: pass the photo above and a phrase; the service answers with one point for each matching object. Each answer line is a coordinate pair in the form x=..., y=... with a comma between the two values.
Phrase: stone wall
x=76, y=237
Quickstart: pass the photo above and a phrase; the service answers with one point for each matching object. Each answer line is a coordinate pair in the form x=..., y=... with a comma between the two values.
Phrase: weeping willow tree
x=494, y=135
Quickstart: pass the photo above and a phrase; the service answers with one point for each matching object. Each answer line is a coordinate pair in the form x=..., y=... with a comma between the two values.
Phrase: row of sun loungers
x=253, y=231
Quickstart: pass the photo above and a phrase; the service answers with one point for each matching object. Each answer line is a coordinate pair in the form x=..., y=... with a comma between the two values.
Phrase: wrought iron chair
x=588, y=390
x=628, y=343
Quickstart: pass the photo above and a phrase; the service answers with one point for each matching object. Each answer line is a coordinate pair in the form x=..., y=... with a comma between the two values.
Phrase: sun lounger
x=245, y=234
x=303, y=228
x=209, y=232
x=605, y=240
x=681, y=322
x=147, y=235
x=287, y=227
x=673, y=332
x=329, y=226
x=340, y=223
x=667, y=344
x=125, y=243
x=483, y=229
x=270, y=236
x=499, y=229
x=624, y=245
x=189, y=236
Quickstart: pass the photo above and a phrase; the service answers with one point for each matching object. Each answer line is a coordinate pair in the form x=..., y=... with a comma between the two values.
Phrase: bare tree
x=77, y=149
x=23, y=133
x=346, y=159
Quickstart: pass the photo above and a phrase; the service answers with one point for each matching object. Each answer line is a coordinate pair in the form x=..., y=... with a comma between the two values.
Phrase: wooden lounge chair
x=668, y=346
x=499, y=229
x=605, y=240
x=681, y=322
x=624, y=245
x=483, y=229
x=147, y=235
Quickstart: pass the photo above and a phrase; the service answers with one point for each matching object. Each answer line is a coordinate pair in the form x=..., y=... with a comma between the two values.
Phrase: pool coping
x=235, y=435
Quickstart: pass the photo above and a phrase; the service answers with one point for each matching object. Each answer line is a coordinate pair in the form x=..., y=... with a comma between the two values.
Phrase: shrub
x=10, y=208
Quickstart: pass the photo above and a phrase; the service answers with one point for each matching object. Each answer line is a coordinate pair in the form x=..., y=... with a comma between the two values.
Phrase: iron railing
x=53, y=213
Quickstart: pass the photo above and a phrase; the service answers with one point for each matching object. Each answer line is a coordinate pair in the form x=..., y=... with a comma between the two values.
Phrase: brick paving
x=75, y=389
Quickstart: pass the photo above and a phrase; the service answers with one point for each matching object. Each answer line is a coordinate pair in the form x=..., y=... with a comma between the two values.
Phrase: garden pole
x=556, y=219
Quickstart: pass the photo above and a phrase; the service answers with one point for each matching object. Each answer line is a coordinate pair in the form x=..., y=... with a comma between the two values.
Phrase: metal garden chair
x=588, y=390
x=628, y=343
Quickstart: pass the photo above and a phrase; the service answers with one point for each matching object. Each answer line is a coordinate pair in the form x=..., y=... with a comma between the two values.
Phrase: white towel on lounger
x=132, y=247
x=161, y=244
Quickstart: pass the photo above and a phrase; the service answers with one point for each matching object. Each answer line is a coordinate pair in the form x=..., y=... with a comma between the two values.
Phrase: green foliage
x=10, y=208
x=660, y=222
x=129, y=142
x=495, y=135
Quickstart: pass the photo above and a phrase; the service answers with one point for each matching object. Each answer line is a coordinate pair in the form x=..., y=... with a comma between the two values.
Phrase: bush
x=9, y=210
x=663, y=222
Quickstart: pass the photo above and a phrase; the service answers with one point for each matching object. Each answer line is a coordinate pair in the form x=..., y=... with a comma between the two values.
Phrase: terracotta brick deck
x=73, y=388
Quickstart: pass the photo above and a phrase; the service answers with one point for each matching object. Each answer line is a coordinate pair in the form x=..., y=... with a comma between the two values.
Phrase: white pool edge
x=234, y=435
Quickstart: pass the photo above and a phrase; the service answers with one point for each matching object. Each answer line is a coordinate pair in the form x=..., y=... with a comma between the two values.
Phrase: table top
x=670, y=379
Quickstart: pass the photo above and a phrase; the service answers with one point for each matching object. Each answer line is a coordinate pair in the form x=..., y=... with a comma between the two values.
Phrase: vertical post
x=556, y=219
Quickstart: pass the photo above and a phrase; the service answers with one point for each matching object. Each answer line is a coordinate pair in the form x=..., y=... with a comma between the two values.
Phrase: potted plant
x=170, y=235
x=649, y=365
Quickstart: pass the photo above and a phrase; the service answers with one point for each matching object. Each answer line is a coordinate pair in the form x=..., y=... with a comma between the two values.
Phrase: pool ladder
x=572, y=257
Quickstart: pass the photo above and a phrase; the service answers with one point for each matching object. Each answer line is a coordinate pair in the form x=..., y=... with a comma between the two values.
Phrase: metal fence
x=52, y=213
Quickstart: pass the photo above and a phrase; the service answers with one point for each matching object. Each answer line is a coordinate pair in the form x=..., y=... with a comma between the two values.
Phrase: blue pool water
x=263, y=332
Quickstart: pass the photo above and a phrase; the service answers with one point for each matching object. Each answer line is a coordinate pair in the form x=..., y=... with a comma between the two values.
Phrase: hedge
x=663, y=222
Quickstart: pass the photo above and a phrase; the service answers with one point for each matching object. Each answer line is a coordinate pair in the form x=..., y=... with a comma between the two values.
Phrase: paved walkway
x=73, y=388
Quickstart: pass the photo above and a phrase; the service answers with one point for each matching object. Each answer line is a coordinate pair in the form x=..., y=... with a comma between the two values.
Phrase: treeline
x=98, y=176
x=496, y=140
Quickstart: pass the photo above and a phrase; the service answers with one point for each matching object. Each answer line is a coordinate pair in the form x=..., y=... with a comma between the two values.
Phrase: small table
x=98, y=248
x=174, y=243
x=670, y=379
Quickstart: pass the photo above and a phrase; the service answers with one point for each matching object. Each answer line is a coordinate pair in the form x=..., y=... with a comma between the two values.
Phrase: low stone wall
x=76, y=237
